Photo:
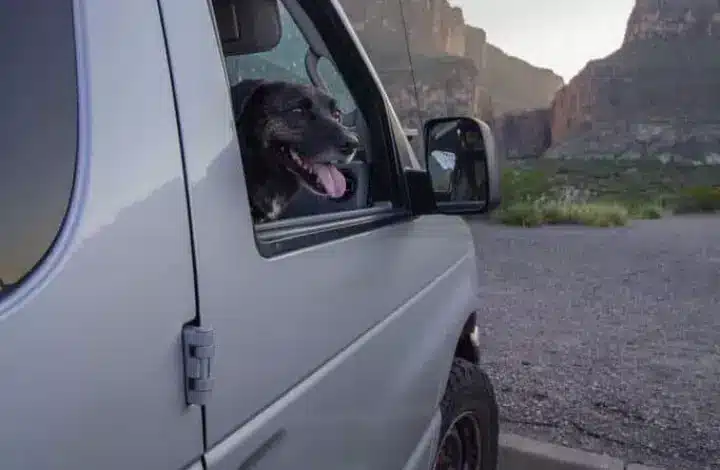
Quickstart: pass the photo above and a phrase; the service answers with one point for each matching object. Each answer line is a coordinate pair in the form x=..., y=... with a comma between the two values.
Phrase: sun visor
x=248, y=26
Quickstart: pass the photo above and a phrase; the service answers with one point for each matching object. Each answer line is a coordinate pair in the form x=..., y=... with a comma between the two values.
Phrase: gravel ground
x=607, y=340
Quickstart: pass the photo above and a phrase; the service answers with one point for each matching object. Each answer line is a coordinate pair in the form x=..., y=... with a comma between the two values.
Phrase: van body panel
x=91, y=366
x=423, y=457
x=371, y=404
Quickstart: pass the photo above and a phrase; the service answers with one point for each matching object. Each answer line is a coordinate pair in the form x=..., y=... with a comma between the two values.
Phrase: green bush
x=517, y=185
x=531, y=198
x=648, y=211
x=697, y=199
x=640, y=207
x=522, y=214
x=549, y=212
x=604, y=192
x=598, y=214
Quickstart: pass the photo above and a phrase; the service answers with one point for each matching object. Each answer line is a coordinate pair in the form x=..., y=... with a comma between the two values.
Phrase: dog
x=469, y=150
x=291, y=136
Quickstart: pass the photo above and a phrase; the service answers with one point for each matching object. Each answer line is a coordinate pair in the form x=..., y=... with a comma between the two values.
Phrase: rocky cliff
x=657, y=96
x=516, y=85
x=663, y=19
x=523, y=134
x=456, y=70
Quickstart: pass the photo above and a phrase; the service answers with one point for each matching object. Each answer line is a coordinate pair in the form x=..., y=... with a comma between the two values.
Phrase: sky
x=562, y=35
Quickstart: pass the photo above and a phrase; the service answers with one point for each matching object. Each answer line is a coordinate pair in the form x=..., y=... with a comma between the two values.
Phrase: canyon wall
x=456, y=70
x=664, y=19
x=516, y=85
x=657, y=96
x=523, y=134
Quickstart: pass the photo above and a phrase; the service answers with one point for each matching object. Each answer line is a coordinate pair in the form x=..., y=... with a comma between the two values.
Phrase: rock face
x=435, y=27
x=456, y=71
x=663, y=19
x=516, y=85
x=658, y=96
x=523, y=135
x=444, y=86
x=429, y=75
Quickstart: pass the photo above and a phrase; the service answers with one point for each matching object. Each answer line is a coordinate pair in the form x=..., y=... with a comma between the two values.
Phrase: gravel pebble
x=607, y=340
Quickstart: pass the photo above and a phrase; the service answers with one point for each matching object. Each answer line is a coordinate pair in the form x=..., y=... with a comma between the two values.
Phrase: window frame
x=326, y=30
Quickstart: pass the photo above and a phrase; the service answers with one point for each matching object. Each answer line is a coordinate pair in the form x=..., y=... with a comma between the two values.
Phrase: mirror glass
x=457, y=160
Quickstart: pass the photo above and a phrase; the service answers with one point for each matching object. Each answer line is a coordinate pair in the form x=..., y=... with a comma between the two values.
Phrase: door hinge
x=198, y=354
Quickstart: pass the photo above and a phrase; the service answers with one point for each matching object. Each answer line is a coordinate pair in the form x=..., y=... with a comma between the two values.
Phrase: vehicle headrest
x=248, y=26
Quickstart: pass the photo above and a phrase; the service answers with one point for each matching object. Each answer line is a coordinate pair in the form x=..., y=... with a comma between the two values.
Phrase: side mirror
x=461, y=161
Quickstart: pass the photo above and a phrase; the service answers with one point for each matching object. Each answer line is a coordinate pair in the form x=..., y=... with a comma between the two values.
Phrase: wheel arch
x=468, y=346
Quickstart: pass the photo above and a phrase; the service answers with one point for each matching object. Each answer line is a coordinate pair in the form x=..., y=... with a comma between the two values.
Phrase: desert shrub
x=590, y=214
x=647, y=211
x=599, y=214
x=532, y=197
x=697, y=199
x=639, y=207
x=520, y=185
x=552, y=212
x=522, y=214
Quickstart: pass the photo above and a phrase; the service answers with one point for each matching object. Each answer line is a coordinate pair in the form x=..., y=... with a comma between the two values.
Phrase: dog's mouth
x=323, y=179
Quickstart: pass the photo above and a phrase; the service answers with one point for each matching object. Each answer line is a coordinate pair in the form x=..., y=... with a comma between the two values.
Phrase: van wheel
x=469, y=433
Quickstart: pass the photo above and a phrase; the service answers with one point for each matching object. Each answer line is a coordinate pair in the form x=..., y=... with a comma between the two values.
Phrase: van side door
x=332, y=350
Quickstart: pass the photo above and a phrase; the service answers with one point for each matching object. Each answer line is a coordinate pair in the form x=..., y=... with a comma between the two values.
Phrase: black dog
x=292, y=135
x=469, y=153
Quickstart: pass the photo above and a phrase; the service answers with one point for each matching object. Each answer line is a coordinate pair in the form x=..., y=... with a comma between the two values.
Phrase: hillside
x=457, y=70
x=657, y=96
x=515, y=85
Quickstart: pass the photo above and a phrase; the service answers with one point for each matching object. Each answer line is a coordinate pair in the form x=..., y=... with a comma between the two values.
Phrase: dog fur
x=291, y=134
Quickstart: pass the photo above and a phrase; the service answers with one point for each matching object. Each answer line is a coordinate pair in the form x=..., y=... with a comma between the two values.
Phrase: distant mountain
x=657, y=96
x=516, y=85
x=457, y=71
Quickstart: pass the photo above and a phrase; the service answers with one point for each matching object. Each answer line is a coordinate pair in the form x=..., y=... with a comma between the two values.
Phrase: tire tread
x=469, y=387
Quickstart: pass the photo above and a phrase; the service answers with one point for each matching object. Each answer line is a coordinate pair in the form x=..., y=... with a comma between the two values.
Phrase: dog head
x=298, y=133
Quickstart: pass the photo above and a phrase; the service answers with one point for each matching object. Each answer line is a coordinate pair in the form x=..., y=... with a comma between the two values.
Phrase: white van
x=146, y=322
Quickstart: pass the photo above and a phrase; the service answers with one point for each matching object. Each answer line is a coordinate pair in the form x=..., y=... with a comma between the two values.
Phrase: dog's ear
x=246, y=98
x=241, y=93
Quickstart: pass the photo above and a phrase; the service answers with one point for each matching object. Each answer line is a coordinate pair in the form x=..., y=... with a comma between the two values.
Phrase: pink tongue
x=332, y=180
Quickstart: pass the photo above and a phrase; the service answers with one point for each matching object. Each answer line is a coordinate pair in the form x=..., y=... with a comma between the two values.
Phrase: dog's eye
x=303, y=106
x=334, y=110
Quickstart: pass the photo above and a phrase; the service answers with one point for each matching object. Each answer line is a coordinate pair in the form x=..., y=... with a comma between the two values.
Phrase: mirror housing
x=462, y=164
x=420, y=192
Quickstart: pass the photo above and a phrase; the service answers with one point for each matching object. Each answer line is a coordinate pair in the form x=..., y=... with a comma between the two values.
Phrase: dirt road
x=607, y=339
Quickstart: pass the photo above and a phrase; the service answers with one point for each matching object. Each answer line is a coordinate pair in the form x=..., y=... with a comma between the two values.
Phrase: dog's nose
x=350, y=143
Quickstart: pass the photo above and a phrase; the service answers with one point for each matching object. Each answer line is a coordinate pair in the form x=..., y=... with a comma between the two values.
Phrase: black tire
x=470, y=393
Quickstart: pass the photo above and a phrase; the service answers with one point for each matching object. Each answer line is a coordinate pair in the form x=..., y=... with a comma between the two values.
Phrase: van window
x=364, y=181
x=38, y=131
x=285, y=62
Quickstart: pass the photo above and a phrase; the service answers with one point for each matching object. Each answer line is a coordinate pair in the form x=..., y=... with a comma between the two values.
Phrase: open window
x=290, y=48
